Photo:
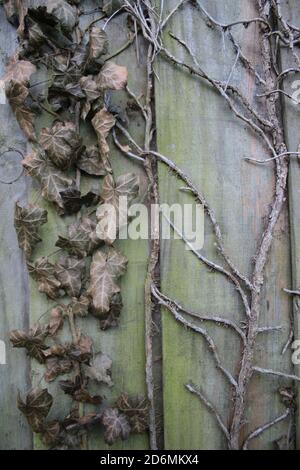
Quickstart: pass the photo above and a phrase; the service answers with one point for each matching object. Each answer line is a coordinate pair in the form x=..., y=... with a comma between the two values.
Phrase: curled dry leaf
x=61, y=143
x=111, y=6
x=44, y=273
x=53, y=181
x=106, y=268
x=80, y=306
x=56, y=320
x=17, y=93
x=27, y=222
x=64, y=12
x=103, y=122
x=117, y=196
x=98, y=43
x=18, y=70
x=112, y=318
x=116, y=425
x=82, y=351
x=81, y=240
x=112, y=76
x=50, y=433
x=91, y=92
x=57, y=366
x=36, y=407
x=100, y=369
x=33, y=341
x=90, y=162
x=136, y=409
x=16, y=11
x=77, y=389
x=73, y=200
x=70, y=271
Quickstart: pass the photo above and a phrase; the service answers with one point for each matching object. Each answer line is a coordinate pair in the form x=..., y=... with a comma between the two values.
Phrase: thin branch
x=172, y=12
x=261, y=370
x=264, y=428
x=292, y=292
x=191, y=388
x=173, y=305
x=196, y=193
x=287, y=344
x=213, y=266
x=268, y=329
x=210, y=343
x=226, y=26
x=219, y=87
x=281, y=155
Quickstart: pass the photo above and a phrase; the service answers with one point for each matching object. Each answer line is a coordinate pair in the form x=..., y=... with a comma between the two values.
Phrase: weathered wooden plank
x=125, y=344
x=14, y=376
x=196, y=130
x=291, y=9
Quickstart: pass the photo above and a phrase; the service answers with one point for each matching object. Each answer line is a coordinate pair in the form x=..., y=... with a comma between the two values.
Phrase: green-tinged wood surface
x=291, y=120
x=196, y=129
x=14, y=375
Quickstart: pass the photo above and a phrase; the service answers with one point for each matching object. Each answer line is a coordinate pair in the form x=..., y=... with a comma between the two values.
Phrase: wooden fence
x=195, y=129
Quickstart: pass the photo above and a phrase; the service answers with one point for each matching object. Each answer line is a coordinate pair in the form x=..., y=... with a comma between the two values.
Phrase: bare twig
x=261, y=370
x=264, y=428
x=193, y=389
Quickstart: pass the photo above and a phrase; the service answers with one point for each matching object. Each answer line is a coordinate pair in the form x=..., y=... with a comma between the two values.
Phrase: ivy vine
x=80, y=84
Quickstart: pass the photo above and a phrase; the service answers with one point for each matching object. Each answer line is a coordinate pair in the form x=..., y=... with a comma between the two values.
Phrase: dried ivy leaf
x=62, y=143
x=112, y=76
x=136, y=409
x=113, y=220
x=17, y=93
x=91, y=92
x=70, y=271
x=106, y=268
x=50, y=25
x=110, y=6
x=100, y=369
x=82, y=352
x=50, y=433
x=44, y=273
x=53, y=181
x=16, y=11
x=91, y=162
x=27, y=222
x=112, y=318
x=36, y=407
x=56, y=320
x=103, y=122
x=78, y=391
x=18, y=70
x=65, y=13
x=73, y=200
x=57, y=366
x=80, y=306
x=98, y=43
x=33, y=342
x=116, y=425
x=81, y=240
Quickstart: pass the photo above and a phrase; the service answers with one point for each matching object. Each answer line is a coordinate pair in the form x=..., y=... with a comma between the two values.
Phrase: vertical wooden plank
x=291, y=10
x=197, y=131
x=124, y=344
x=14, y=375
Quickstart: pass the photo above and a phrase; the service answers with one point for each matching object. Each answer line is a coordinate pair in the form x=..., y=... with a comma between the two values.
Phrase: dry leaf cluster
x=84, y=280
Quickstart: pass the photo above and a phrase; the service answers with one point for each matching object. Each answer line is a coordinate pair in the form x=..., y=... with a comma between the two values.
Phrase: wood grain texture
x=197, y=131
x=291, y=9
x=14, y=376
